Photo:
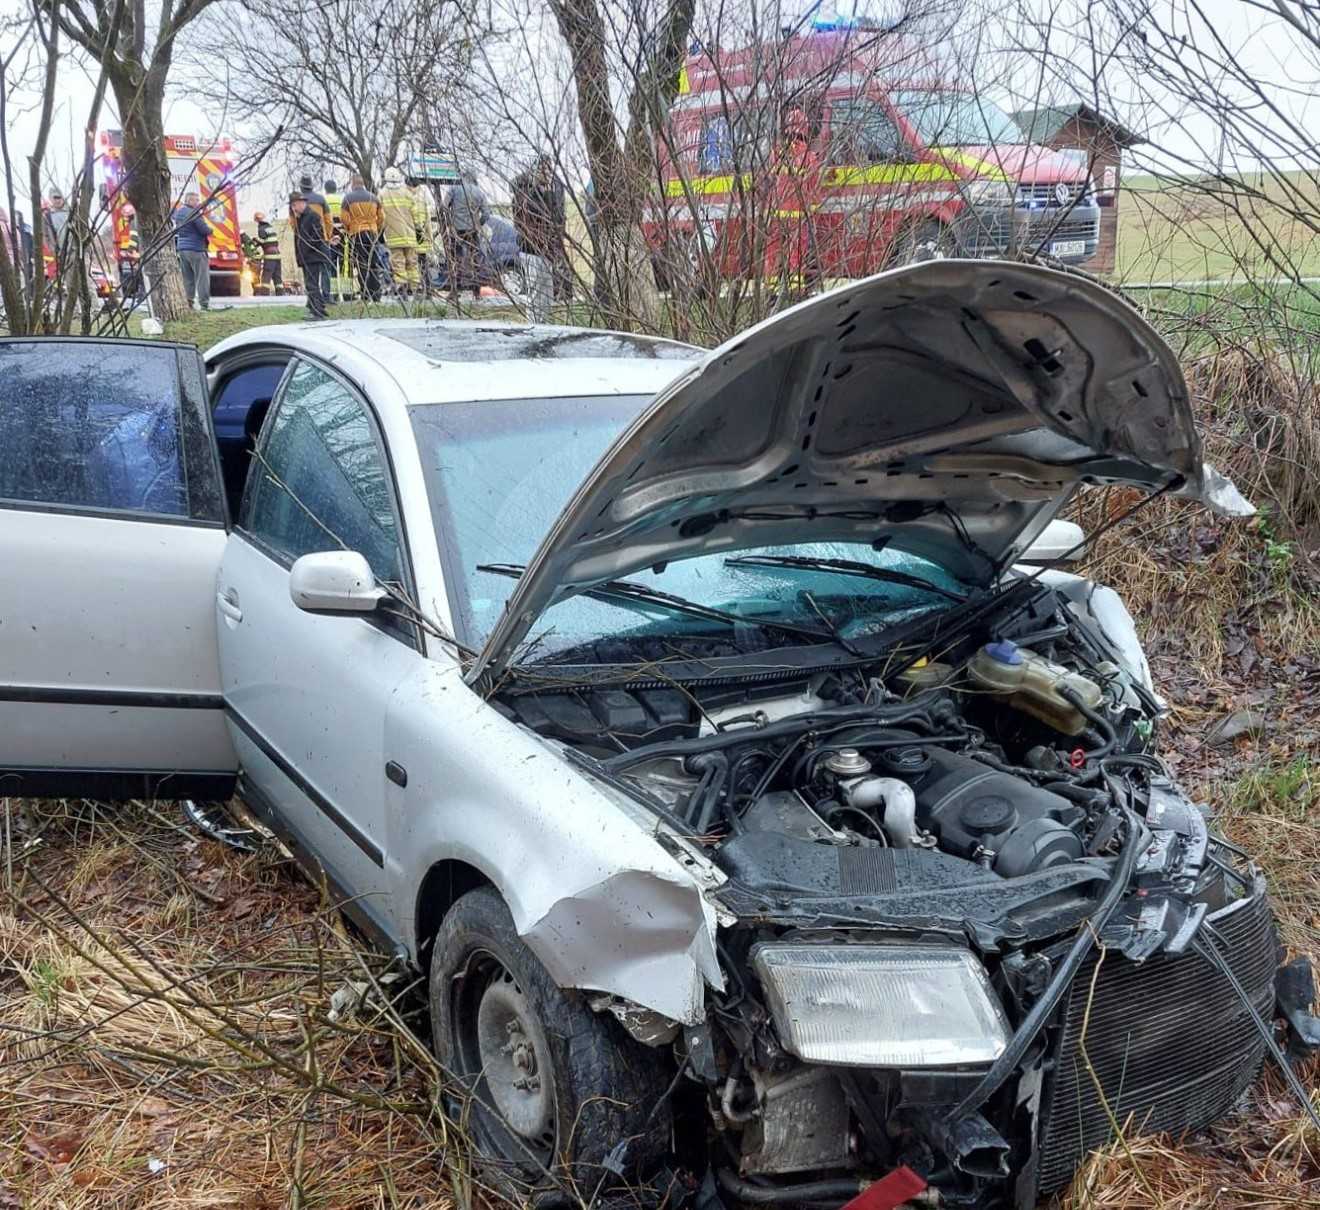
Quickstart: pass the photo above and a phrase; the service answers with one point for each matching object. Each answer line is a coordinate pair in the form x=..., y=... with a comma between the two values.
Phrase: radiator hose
x=1034, y=1021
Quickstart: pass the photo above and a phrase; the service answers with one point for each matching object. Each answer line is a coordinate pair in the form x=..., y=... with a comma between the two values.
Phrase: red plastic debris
x=889, y=1192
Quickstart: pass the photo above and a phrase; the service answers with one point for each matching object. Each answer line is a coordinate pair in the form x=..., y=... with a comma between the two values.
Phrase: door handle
x=227, y=602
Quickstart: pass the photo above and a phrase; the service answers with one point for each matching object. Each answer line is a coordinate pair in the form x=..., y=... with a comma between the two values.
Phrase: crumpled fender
x=637, y=935
x=597, y=898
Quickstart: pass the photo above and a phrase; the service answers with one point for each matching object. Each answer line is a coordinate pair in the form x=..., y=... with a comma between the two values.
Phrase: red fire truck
x=897, y=161
x=204, y=167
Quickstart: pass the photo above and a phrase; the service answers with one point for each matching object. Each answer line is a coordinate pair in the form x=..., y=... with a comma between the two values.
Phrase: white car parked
x=689, y=717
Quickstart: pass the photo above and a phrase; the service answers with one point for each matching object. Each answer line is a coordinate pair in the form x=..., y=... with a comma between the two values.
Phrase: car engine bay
x=944, y=866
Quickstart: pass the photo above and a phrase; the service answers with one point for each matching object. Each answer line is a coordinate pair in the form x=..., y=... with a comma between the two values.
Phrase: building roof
x=1041, y=125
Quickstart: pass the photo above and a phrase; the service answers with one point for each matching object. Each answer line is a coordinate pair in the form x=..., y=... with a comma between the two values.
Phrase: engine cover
x=973, y=809
x=772, y=861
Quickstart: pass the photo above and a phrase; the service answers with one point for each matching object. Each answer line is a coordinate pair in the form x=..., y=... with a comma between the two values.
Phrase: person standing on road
x=468, y=214
x=425, y=232
x=363, y=219
x=317, y=204
x=56, y=218
x=540, y=220
x=790, y=252
x=334, y=205
x=129, y=260
x=192, y=237
x=398, y=216
x=313, y=251
x=272, y=266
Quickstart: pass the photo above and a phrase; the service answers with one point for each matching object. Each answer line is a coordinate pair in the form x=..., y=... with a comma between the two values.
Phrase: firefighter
x=334, y=204
x=129, y=256
x=795, y=188
x=272, y=261
x=363, y=219
x=399, y=223
x=424, y=232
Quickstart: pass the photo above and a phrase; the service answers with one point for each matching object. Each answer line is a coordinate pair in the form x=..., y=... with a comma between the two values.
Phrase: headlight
x=882, y=1005
x=988, y=193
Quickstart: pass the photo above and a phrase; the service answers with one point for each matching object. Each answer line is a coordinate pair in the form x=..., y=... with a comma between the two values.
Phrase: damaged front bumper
x=1170, y=1042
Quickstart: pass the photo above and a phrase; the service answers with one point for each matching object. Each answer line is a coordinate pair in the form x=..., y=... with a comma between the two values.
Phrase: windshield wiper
x=846, y=567
x=626, y=592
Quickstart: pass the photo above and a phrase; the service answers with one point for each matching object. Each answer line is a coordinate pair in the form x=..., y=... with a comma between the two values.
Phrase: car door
x=306, y=694
x=112, y=526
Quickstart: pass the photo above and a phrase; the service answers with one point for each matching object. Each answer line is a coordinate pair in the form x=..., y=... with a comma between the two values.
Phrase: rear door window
x=112, y=427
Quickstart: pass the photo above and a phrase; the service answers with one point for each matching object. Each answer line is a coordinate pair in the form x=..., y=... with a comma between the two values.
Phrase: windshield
x=500, y=472
x=957, y=119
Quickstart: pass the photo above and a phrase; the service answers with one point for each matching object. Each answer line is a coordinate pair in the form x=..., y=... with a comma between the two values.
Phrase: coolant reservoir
x=1032, y=684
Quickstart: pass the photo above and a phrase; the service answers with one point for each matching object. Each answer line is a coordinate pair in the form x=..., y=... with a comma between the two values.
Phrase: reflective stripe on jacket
x=397, y=218
x=421, y=220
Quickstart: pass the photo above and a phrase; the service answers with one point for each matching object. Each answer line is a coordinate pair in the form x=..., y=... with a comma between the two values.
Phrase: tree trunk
x=147, y=186
x=625, y=282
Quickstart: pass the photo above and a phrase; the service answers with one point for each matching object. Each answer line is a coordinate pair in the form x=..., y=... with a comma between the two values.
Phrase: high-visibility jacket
x=398, y=216
x=361, y=212
x=422, y=220
x=269, y=239
x=334, y=201
x=796, y=181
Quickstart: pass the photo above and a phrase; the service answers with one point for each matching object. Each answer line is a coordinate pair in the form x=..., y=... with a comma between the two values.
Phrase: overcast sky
x=1262, y=41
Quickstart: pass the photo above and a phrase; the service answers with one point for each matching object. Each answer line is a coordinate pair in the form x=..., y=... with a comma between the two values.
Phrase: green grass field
x=205, y=328
x=1198, y=231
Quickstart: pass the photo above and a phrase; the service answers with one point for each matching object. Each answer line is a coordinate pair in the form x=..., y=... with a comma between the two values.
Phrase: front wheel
x=553, y=1087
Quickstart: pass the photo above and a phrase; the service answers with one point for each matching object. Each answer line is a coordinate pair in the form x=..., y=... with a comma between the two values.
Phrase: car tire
x=499, y=1021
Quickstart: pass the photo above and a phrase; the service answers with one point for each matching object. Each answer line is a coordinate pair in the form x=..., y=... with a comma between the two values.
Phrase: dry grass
x=1229, y=614
x=166, y=1035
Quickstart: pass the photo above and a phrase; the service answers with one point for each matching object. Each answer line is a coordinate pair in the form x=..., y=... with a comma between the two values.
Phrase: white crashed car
x=694, y=720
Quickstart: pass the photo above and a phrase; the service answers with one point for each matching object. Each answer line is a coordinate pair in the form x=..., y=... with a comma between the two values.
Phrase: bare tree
x=347, y=81
x=136, y=53
x=44, y=286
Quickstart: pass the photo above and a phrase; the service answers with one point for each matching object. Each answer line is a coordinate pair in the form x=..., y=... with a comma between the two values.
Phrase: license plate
x=1068, y=247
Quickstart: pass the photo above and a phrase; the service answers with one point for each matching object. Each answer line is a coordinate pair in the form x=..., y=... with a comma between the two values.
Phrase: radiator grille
x=1169, y=1040
x=1048, y=195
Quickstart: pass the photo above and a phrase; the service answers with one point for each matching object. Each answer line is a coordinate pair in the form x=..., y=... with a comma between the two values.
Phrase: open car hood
x=949, y=406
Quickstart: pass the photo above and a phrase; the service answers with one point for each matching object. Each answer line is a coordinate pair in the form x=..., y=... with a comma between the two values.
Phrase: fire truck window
x=861, y=132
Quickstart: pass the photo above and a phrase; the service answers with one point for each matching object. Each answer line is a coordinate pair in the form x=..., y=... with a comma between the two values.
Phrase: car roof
x=450, y=361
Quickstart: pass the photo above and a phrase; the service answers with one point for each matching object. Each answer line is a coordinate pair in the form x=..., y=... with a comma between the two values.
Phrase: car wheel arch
x=442, y=886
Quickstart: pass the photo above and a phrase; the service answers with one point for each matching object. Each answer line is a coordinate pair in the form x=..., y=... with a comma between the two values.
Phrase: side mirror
x=334, y=581
x=1055, y=542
